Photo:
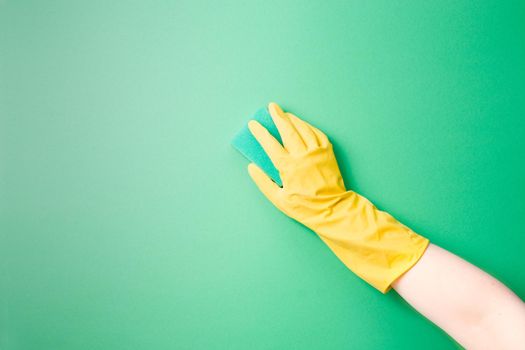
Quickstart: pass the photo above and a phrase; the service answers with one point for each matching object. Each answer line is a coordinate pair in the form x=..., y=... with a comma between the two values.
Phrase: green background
x=129, y=222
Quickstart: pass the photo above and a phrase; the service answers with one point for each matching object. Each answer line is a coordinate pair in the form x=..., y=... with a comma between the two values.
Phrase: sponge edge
x=249, y=147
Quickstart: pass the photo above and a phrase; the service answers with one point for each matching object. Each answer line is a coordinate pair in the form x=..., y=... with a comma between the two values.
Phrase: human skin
x=474, y=308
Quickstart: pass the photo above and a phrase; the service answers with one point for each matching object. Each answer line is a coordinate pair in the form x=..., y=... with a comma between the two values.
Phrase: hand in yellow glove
x=368, y=241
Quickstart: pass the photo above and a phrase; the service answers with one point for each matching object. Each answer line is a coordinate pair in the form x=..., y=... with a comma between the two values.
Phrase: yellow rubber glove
x=370, y=242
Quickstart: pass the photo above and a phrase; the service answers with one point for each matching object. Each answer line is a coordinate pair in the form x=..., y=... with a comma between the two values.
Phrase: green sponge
x=249, y=147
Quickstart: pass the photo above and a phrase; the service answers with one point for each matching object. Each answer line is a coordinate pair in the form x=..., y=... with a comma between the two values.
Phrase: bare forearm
x=467, y=303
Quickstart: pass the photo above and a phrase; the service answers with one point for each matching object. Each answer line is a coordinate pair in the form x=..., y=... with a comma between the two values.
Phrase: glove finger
x=322, y=139
x=271, y=146
x=292, y=140
x=269, y=188
x=307, y=134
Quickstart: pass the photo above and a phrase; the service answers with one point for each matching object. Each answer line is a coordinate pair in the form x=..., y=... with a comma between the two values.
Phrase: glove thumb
x=269, y=188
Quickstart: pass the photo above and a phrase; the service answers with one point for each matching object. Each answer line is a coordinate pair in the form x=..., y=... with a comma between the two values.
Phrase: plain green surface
x=129, y=222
